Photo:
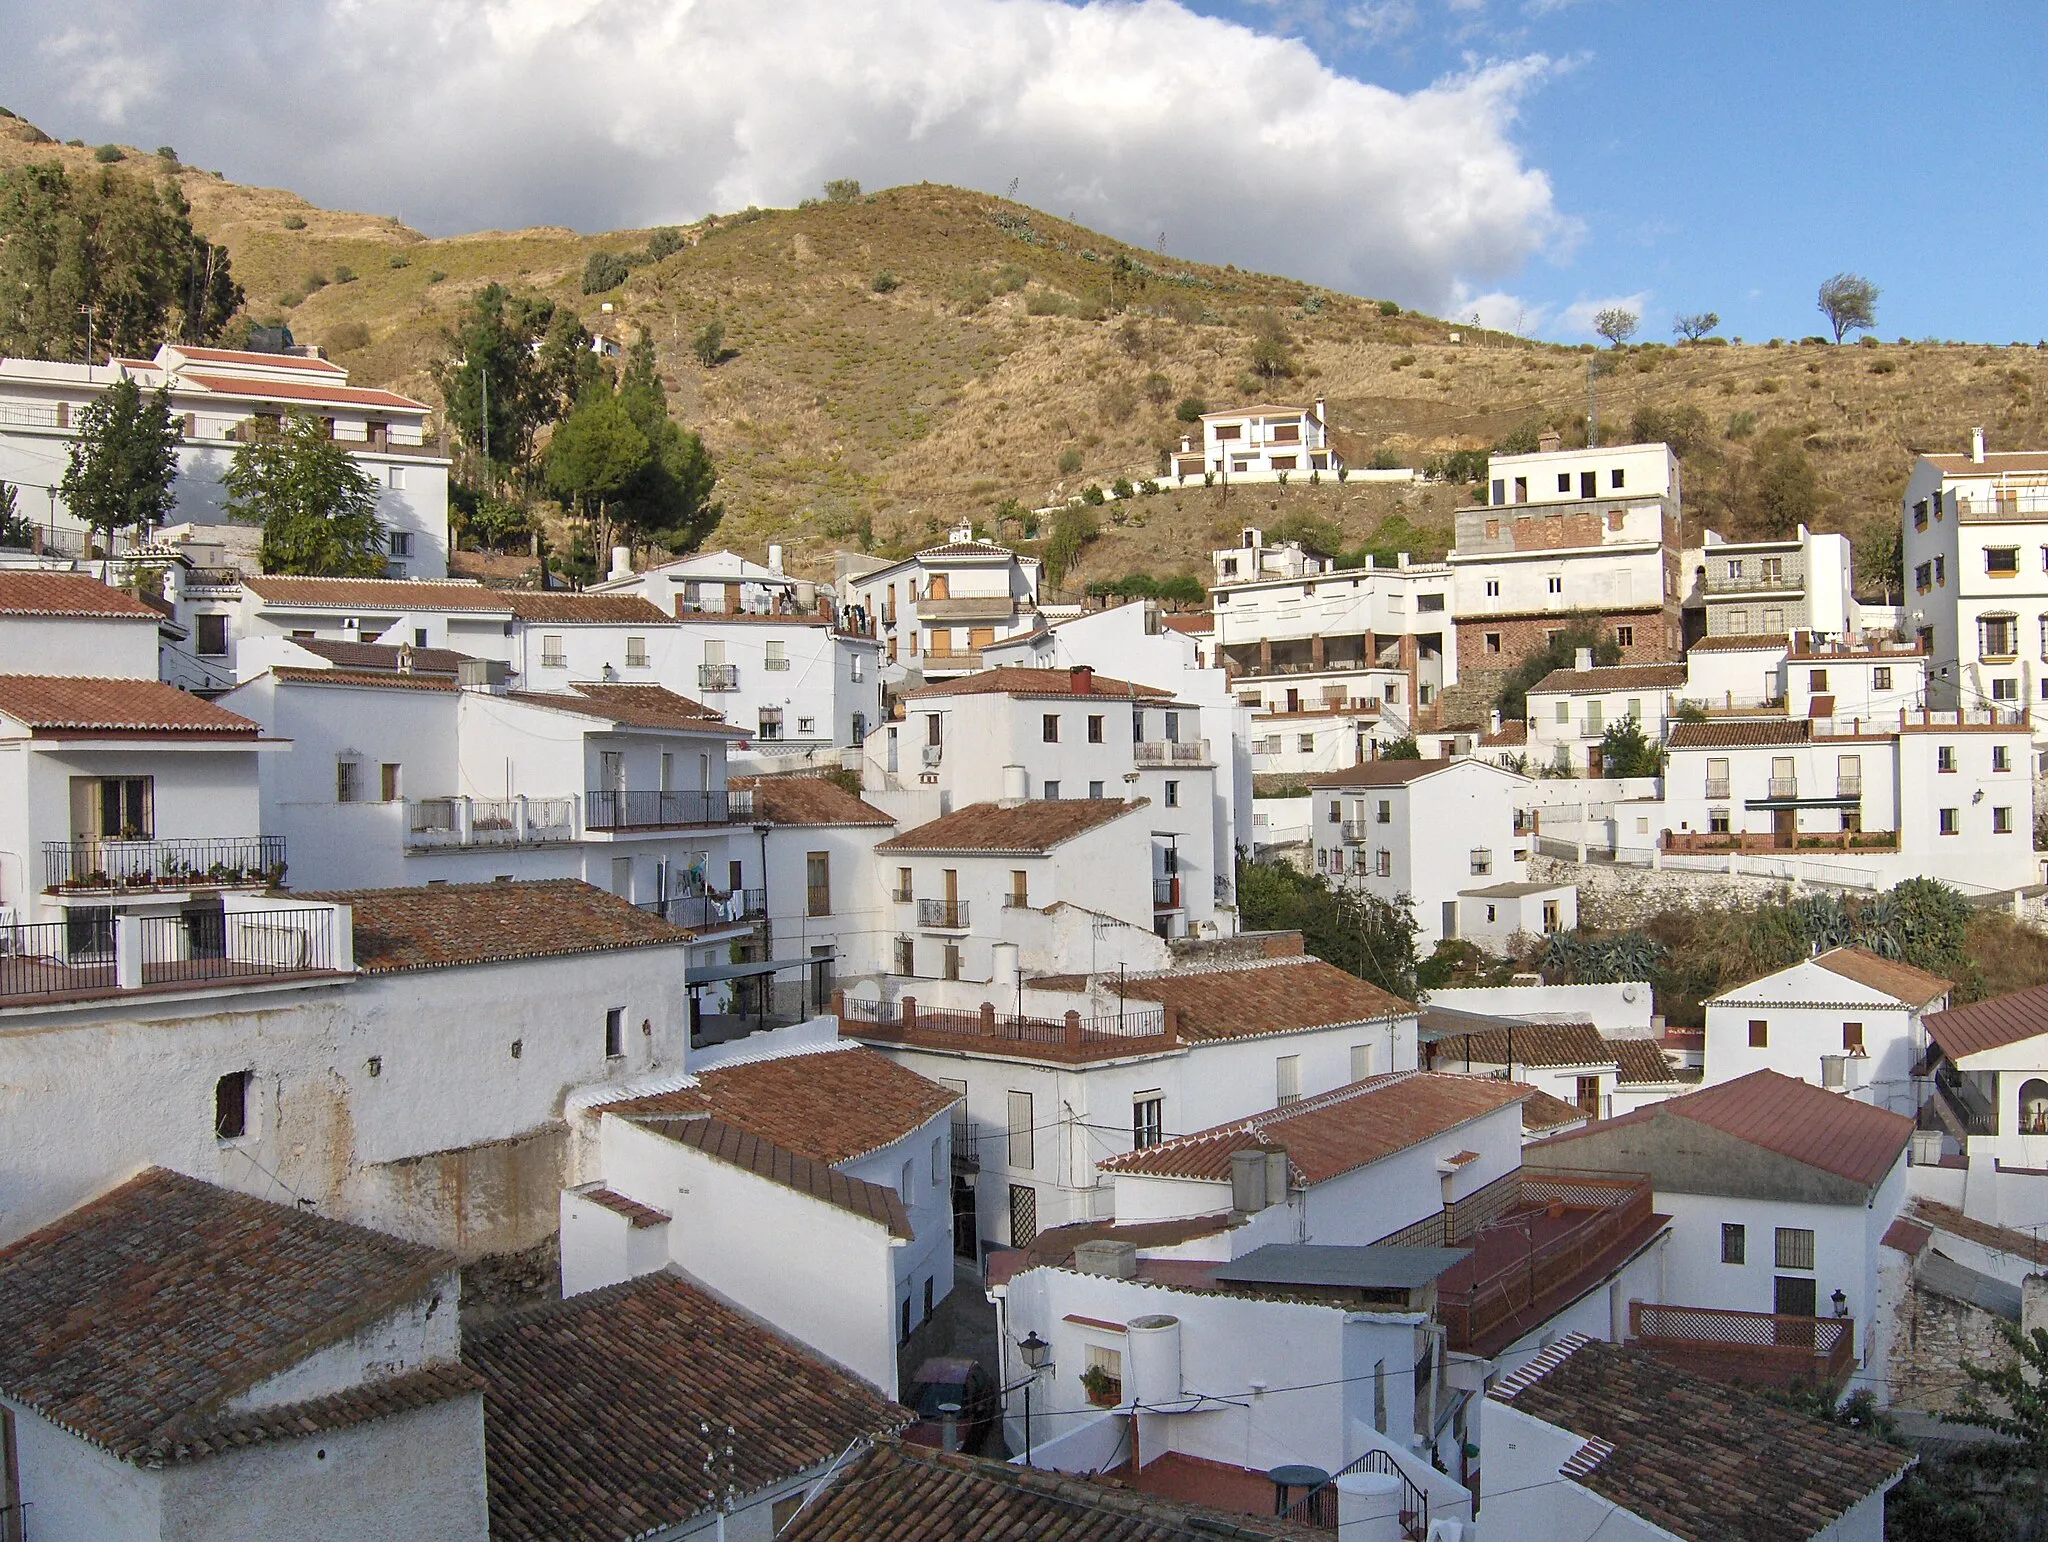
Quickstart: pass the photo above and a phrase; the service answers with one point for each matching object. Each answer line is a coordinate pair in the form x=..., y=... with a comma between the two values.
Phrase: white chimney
x=1977, y=446
x=1013, y=784
x=1584, y=659
x=1493, y=721
x=622, y=563
x=775, y=560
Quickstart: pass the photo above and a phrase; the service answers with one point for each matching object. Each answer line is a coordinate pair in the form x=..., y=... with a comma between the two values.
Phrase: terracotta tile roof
x=31, y=593
x=808, y=800
x=1907, y=1237
x=381, y=656
x=902, y=1493
x=2000, y=1239
x=1377, y=773
x=1642, y=1062
x=792, y=1169
x=374, y=679
x=833, y=1106
x=1018, y=680
x=59, y=705
x=636, y=706
x=640, y=1217
x=1994, y=463
x=1738, y=733
x=384, y=595
x=1279, y=995
x=1055, y=1245
x=966, y=549
x=1535, y=1044
x=133, y=1318
x=1819, y=1129
x=249, y=356
x=1901, y=982
x=1199, y=624
x=1031, y=828
x=1330, y=1135
x=594, y=1411
x=297, y=391
x=1706, y=1461
x=2009, y=1019
x=1739, y=644
x=442, y=925
x=561, y=605
x=1510, y=735
x=1541, y=1111
x=1610, y=677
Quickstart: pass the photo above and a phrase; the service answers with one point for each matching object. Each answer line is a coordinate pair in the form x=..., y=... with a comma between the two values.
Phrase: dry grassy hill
x=847, y=412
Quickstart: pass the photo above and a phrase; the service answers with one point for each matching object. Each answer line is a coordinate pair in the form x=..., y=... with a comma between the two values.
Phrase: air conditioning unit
x=932, y=752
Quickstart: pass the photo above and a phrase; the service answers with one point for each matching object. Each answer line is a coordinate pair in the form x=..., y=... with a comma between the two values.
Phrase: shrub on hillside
x=347, y=336
x=106, y=155
x=603, y=271
x=884, y=282
x=1191, y=409
x=1070, y=461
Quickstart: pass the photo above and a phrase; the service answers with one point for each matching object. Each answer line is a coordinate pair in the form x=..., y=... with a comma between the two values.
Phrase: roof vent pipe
x=622, y=563
x=1583, y=659
x=1977, y=446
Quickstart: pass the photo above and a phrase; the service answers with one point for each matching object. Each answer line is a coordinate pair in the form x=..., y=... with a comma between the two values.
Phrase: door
x=952, y=877
x=1593, y=761
x=940, y=588
x=1589, y=1096
x=966, y=1225
x=1795, y=1296
x=622, y=877
x=981, y=637
x=1784, y=827
x=732, y=599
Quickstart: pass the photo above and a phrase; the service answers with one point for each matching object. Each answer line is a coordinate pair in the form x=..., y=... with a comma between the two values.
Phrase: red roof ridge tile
x=67, y=704
x=28, y=592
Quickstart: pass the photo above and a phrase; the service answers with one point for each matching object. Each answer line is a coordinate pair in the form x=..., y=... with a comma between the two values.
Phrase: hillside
x=844, y=412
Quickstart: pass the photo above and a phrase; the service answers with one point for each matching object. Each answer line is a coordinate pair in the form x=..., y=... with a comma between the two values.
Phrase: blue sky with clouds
x=1729, y=156
x=1525, y=160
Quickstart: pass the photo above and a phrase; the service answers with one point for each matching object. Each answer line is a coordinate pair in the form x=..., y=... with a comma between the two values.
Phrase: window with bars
x=1795, y=1248
x=1734, y=1243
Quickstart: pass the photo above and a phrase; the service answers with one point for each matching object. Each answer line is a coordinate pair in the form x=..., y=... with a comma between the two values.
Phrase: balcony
x=901, y=896
x=774, y=665
x=1848, y=786
x=554, y=661
x=703, y=912
x=612, y=812
x=123, y=867
x=1357, y=831
x=1566, y=1231
x=942, y=915
x=1131, y=1029
x=468, y=823
x=1167, y=752
x=1726, y=842
x=1756, y=1347
x=1166, y=893
x=84, y=957
x=1717, y=789
x=1783, y=787
x=1755, y=583
x=718, y=677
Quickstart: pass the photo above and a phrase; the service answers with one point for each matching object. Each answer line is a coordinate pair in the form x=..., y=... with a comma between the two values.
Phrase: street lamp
x=1036, y=1355
x=1841, y=1303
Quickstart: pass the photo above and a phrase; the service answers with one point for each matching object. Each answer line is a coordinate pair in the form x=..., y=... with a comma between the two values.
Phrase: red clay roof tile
x=1902, y=982
x=31, y=593
x=2009, y=1019
x=57, y=705
x=1020, y=680
x=1032, y=828
x=443, y=925
x=1280, y=995
x=807, y=800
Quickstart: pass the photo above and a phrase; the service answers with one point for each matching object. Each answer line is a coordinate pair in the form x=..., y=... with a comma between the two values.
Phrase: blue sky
x=1527, y=160
x=1729, y=156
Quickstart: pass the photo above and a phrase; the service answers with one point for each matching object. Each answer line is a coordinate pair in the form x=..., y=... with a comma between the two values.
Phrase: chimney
x=1187, y=444
x=1248, y=1180
x=1977, y=446
x=622, y=563
x=1549, y=440
x=1083, y=679
x=1322, y=412
x=1107, y=1257
x=775, y=560
x=1493, y=721
x=1013, y=787
x=1400, y=559
x=1583, y=659
x=405, y=658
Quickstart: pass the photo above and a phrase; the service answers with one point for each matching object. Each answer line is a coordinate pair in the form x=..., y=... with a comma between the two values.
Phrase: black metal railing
x=947, y=915
x=718, y=677
x=233, y=944
x=1318, y=1507
x=232, y=861
x=1165, y=893
x=664, y=810
x=698, y=912
x=43, y=958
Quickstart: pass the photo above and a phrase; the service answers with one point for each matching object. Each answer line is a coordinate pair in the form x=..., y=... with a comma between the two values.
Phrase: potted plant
x=1103, y=1389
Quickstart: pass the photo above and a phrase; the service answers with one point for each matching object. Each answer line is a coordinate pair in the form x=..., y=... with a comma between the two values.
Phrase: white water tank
x=775, y=559
x=1014, y=784
x=1153, y=1344
x=1369, y=1508
x=622, y=563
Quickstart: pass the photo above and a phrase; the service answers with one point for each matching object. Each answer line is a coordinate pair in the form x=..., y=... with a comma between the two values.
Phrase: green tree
x=842, y=190
x=1625, y=750
x=1849, y=301
x=1784, y=488
x=567, y=367
x=123, y=461
x=317, y=507
x=1074, y=529
x=1695, y=326
x=2011, y=1399
x=605, y=270
x=1184, y=591
x=1617, y=323
x=708, y=343
x=15, y=529
x=596, y=454
x=1272, y=351
x=495, y=390
x=670, y=500
x=1561, y=652
x=1361, y=933
x=1191, y=409
x=1403, y=748
x=115, y=243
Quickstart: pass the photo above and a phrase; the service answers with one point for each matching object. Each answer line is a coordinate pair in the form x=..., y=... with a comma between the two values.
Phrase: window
x=1817, y=681
x=1625, y=636
x=113, y=807
x=1595, y=720
x=770, y=721
x=1717, y=821
x=1429, y=602
x=1521, y=489
x=212, y=635
x=2002, y=561
x=1550, y=915
x=1734, y=1243
x=1336, y=812
x=1022, y=1155
x=1307, y=742
x=1049, y=728
x=1945, y=758
x=1361, y=1062
x=1556, y=583
x=2001, y=758
x=1493, y=642
x=1482, y=863
x=1881, y=678
x=1614, y=478
x=904, y=892
x=1759, y=1033
x=1635, y=709
x=1385, y=815
x=1941, y=570
x=1949, y=822
x=636, y=653
x=554, y=656
x=1052, y=790
x=1589, y=484
x=1920, y=515
x=1500, y=495
x=1383, y=863
x=1774, y=619
x=817, y=883
x=2007, y=689
x=903, y=1320
x=1795, y=1248
x=1108, y=1364
x=1095, y=728
x=2001, y=821
x=906, y=956
x=775, y=656
x=614, y=1033
x=1998, y=636
x=1564, y=712
x=1493, y=588
x=1923, y=577
x=387, y=782
x=1148, y=1120
x=1852, y=1038
x=858, y=666
x=231, y=1106
x=1095, y=789
x=348, y=781
x=1738, y=623
x=1020, y=888
x=1172, y=794
x=1286, y=1079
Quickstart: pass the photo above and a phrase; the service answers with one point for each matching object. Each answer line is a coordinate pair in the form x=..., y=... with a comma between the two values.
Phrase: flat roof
x=1358, y=1268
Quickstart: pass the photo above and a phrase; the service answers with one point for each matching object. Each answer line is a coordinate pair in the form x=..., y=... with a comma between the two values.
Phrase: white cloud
x=1499, y=311
x=1138, y=118
x=1576, y=320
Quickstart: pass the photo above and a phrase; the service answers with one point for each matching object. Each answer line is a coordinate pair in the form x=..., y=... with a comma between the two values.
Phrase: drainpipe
x=767, y=927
